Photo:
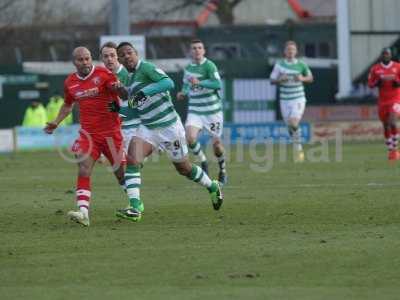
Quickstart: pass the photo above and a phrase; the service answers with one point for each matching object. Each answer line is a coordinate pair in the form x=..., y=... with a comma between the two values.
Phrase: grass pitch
x=327, y=230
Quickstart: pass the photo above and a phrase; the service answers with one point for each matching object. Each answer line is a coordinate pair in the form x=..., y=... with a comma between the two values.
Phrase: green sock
x=196, y=150
x=133, y=183
x=213, y=188
x=198, y=175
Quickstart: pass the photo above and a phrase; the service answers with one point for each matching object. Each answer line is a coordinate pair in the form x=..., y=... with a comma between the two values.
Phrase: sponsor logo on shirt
x=87, y=93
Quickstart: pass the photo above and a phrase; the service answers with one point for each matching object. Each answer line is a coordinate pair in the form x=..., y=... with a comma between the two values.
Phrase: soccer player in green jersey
x=148, y=93
x=201, y=85
x=290, y=74
x=130, y=118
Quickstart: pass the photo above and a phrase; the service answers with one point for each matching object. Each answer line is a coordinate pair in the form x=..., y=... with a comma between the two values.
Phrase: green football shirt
x=157, y=111
x=292, y=89
x=130, y=117
x=204, y=98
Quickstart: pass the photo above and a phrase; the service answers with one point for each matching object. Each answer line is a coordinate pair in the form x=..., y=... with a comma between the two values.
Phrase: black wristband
x=113, y=106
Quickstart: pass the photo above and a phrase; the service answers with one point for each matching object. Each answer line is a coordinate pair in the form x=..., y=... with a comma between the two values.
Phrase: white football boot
x=79, y=217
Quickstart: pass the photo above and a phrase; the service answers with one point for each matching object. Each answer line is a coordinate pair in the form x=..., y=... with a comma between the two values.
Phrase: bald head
x=82, y=60
x=80, y=51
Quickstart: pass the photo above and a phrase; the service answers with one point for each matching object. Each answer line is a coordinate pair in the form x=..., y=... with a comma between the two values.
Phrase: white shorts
x=214, y=123
x=170, y=139
x=292, y=109
x=127, y=135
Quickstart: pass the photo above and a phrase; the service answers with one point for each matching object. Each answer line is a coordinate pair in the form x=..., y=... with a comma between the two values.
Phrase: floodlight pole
x=343, y=44
x=119, y=21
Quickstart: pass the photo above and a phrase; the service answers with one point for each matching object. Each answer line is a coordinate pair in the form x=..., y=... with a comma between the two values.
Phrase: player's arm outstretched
x=65, y=110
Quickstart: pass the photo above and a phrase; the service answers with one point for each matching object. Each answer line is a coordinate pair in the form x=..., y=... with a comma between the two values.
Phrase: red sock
x=387, y=133
x=83, y=192
x=395, y=137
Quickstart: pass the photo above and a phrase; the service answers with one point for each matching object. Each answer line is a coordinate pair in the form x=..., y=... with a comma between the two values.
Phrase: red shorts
x=109, y=144
x=384, y=110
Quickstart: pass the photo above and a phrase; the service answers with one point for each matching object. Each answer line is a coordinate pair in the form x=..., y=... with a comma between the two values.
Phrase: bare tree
x=66, y=12
x=6, y=4
x=225, y=11
x=224, y=8
x=8, y=11
x=35, y=29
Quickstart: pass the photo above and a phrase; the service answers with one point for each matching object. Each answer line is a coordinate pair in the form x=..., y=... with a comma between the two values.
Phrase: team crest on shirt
x=96, y=80
x=396, y=108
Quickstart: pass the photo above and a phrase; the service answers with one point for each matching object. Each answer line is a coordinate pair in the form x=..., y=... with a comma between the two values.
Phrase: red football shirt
x=387, y=74
x=92, y=93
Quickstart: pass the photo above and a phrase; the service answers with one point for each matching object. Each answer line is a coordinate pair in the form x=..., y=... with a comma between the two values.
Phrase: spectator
x=53, y=107
x=35, y=115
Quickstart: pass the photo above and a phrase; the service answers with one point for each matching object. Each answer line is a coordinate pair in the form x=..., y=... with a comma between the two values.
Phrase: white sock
x=84, y=211
x=196, y=150
x=199, y=176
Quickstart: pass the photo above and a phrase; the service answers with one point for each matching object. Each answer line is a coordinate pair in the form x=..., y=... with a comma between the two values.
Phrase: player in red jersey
x=386, y=76
x=92, y=88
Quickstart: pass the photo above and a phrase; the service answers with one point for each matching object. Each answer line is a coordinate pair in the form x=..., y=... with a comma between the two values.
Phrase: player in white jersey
x=290, y=74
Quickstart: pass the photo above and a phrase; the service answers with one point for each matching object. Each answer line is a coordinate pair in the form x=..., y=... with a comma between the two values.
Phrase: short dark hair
x=123, y=44
x=290, y=43
x=196, y=41
x=108, y=45
x=386, y=50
